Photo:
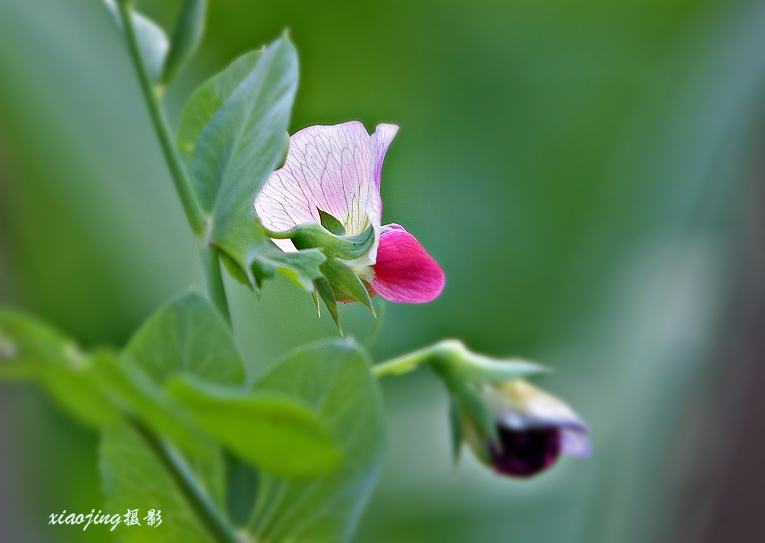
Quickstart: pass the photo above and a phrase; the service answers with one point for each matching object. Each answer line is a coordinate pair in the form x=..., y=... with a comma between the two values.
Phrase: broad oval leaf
x=271, y=431
x=201, y=108
x=186, y=337
x=247, y=137
x=142, y=399
x=334, y=378
x=232, y=135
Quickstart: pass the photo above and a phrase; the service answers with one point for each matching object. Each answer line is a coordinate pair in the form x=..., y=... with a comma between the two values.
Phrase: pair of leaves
x=161, y=57
x=181, y=376
x=187, y=348
x=331, y=379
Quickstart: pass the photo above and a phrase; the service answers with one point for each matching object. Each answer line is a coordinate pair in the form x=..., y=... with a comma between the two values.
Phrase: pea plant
x=295, y=455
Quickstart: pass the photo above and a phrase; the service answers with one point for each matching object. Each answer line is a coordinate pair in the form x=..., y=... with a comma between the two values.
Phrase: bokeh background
x=589, y=174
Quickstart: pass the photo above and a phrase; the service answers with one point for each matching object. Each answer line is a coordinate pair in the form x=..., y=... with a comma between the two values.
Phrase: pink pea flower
x=336, y=170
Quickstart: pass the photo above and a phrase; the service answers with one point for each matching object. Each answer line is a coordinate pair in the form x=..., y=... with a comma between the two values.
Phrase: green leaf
x=201, y=108
x=271, y=431
x=152, y=40
x=334, y=378
x=26, y=345
x=186, y=37
x=186, y=337
x=247, y=137
x=241, y=145
x=232, y=135
x=133, y=477
x=32, y=350
x=143, y=399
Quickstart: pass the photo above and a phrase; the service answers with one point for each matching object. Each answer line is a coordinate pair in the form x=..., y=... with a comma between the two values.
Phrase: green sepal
x=456, y=430
x=312, y=234
x=473, y=405
x=301, y=267
x=453, y=358
x=331, y=223
x=327, y=295
x=345, y=283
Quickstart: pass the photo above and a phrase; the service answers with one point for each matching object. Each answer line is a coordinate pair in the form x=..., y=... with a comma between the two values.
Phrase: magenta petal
x=405, y=272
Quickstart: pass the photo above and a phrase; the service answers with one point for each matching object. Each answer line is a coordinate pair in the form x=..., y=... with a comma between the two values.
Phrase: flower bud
x=511, y=426
x=531, y=430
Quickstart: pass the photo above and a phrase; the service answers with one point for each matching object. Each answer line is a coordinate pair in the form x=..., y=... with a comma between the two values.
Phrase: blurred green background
x=588, y=173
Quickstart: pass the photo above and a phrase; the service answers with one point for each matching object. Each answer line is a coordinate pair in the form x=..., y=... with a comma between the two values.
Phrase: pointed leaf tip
x=186, y=38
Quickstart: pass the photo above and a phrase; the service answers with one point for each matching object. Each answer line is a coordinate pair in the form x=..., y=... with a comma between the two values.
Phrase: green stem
x=151, y=95
x=451, y=357
x=188, y=484
x=410, y=361
x=209, y=514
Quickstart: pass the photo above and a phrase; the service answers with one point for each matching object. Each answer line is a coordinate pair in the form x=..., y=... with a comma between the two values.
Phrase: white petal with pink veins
x=335, y=169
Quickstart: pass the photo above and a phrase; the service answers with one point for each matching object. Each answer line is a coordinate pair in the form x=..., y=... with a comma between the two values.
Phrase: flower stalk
x=451, y=358
x=194, y=215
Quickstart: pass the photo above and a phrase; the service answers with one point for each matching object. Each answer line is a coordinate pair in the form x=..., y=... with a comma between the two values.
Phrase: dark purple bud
x=525, y=453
